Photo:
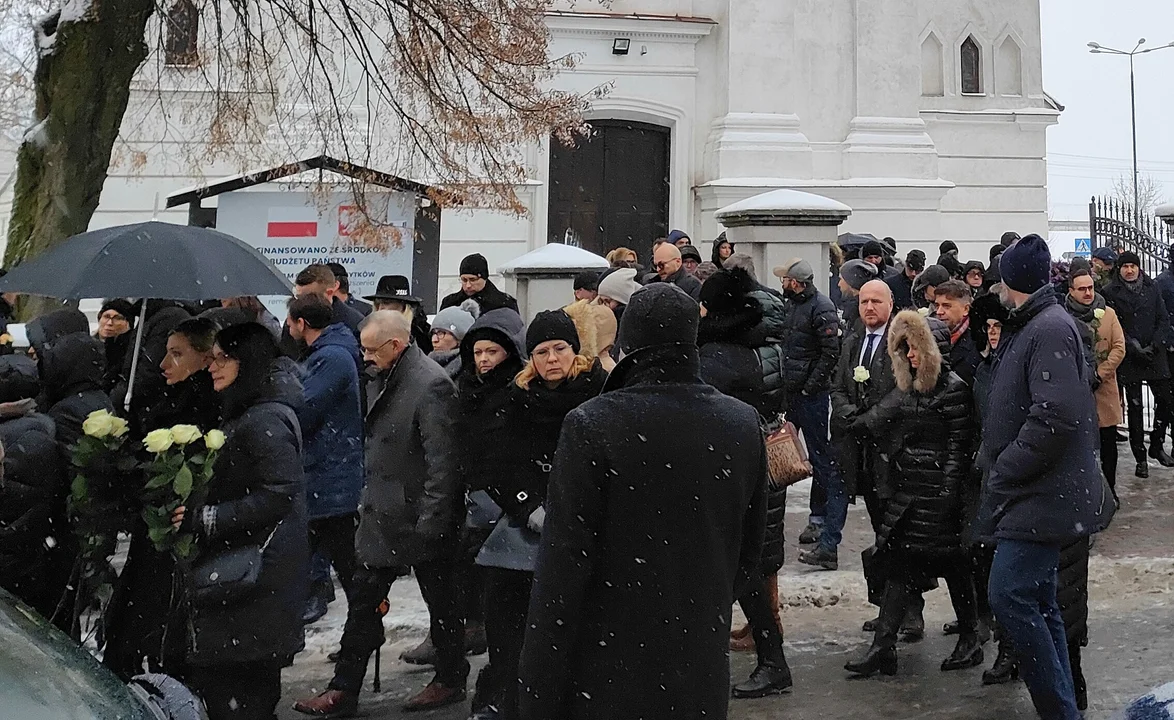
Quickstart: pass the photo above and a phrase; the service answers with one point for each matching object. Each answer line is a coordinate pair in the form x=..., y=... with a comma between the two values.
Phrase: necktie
x=867, y=359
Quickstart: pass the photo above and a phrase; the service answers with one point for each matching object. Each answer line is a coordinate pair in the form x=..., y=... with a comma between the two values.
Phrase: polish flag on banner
x=292, y=222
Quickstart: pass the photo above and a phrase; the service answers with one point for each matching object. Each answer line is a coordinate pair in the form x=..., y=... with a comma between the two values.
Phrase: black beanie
x=587, y=280
x=996, y=251
x=475, y=264
x=121, y=306
x=872, y=248
x=551, y=325
x=1026, y=266
x=1128, y=258
x=727, y=291
x=915, y=260
x=947, y=246
x=659, y=314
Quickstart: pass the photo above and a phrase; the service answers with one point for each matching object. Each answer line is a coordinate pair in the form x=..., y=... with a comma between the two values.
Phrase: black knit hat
x=872, y=248
x=475, y=264
x=551, y=325
x=659, y=314
x=996, y=251
x=727, y=291
x=1128, y=258
x=915, y=260
x=121, y=306
x=947, y=246
x=1026, y=266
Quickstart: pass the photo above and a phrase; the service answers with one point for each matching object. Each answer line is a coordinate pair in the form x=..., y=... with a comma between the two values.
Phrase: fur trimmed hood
x=910, y=329
x=596, y=325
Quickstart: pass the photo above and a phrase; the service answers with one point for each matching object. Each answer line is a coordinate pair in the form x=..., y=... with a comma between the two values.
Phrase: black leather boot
x=765, y=680
x=913, y=626
x=1157, y=451
x=877, y=659
x=1006, y=667
x=967, y=653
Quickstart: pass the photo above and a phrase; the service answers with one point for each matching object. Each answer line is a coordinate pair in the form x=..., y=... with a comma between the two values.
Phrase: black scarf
x=544, y=404
x=1082, y=312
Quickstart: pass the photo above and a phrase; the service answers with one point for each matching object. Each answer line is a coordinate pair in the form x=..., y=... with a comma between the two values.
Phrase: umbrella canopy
x=850, y=242
x=148, y=260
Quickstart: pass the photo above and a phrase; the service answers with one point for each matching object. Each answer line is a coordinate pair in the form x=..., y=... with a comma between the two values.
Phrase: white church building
x=927, y=117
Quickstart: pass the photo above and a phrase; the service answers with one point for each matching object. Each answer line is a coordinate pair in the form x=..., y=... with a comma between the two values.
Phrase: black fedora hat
x=395, y=288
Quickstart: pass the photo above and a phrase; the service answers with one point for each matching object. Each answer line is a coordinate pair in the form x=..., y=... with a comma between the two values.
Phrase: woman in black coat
x=928, y=427
x=144, y=622
x=555, y=380
x=256, y=498
x=741, y=358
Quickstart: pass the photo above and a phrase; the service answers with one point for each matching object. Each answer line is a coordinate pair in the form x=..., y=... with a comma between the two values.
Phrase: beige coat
x=1111, y=340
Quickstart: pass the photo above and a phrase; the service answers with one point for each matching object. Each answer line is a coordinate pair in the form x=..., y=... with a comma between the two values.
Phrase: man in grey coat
x=409, y=517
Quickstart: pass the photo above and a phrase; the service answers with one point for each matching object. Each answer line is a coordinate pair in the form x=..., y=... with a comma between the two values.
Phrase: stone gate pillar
x=777, y=226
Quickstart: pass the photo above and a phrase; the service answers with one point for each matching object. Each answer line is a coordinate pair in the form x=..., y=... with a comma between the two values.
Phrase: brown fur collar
x=909, y=329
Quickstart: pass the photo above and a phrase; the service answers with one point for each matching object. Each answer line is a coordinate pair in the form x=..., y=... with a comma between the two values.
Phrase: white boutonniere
x=1098, y=313
x=923, y=312
x=860, y=374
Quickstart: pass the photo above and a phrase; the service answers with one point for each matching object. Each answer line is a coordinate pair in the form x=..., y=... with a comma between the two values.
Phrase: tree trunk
x=82, y=85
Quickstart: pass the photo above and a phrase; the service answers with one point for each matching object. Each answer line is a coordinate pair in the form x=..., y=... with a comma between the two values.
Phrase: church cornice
x=635, y=26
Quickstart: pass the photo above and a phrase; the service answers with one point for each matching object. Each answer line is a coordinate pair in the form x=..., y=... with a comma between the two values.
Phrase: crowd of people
x=533, y=479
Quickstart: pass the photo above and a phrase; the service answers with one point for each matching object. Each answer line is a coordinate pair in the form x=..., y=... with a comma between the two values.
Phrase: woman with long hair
x=928, y=430
x=256, y=501
x=555, y=380
x=144, y=623
x=722, y=250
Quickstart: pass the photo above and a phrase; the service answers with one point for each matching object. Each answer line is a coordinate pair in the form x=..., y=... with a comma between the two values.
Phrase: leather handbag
x=230, y=574
x=786, y=457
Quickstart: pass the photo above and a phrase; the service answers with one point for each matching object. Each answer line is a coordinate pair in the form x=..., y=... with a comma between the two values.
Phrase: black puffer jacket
x=927, y=425
x=1146, y=322
x=811, y=342
x=257, y=494
x=150, y=386
x=71, y=369
x=1072, y=590
x=32, y=493
x=490, y=298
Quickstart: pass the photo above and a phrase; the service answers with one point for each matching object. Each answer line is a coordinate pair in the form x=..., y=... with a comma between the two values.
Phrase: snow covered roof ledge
x=555, y=258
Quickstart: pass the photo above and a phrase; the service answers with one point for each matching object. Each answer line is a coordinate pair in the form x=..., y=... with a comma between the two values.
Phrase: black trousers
x=907, y=575
x=507, y=601
x=335, y=538
x=1109, y=455
x=471, y=576
x=982, y=556
x=768, y=638
x=363, y=632
x=1163, y=408
x=238, y=691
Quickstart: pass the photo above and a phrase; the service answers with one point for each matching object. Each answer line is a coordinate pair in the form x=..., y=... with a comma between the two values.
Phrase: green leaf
x=183, y=482
x=158, y=481
x=198, y=458
x=79, y=489
x=183, y=545
x=159, y=535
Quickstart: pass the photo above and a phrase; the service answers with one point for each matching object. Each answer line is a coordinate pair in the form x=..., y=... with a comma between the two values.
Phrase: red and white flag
x=292, y=222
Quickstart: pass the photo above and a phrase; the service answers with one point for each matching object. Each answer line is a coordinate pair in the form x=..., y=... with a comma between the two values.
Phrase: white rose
x=923, y=312
x=860, y=374
x=98, y=424
x=158, y=440
x=214, y=440
x=119, y=426
x=1098, y=313
x=184, y=434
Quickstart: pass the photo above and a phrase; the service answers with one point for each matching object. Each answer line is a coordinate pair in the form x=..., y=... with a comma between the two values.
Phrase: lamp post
x=1098, y=49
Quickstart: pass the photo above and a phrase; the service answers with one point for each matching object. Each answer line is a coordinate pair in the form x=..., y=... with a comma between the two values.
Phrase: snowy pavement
x=1131, y=621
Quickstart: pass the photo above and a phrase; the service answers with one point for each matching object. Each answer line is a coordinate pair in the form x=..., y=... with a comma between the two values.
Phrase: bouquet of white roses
x=95, y=498
x=178, y=475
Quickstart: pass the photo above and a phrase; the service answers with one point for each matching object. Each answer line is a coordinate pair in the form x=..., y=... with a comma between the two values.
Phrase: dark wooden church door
x=612, y=190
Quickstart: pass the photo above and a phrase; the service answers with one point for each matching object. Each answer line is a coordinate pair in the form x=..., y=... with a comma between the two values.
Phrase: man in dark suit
x=863, y=377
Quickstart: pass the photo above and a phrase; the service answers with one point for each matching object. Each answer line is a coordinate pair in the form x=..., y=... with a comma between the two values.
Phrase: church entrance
x=612, y=190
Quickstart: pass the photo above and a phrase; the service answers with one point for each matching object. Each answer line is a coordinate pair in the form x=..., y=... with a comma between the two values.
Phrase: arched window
x=1009, y=68
x=183, y=34
x=933, y=81
x=971, y=67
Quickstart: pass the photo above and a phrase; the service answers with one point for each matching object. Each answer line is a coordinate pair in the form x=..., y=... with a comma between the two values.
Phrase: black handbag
x=229, y=575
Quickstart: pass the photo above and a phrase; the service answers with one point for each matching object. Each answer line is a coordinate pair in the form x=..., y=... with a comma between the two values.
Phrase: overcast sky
x=1092, y=144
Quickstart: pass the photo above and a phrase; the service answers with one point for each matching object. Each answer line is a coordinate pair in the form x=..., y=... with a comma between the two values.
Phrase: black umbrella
x=148, y=260
x=850, y=242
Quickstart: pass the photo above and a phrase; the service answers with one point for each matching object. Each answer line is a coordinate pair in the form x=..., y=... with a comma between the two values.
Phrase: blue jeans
x=812, y=414
x=1023, y=598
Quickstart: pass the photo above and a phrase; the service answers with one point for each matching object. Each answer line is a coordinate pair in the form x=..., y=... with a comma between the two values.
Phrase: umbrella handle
x=134, y=361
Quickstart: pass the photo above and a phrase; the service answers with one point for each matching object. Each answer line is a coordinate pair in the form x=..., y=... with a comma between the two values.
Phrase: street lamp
x=1098, y=49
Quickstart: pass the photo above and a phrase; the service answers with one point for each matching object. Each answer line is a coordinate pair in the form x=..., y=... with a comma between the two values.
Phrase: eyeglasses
x=112, y=317
x=220, y=360
x=372, y=351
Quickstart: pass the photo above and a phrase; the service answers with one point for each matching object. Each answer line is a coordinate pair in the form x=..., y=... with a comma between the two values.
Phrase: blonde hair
x=616, y=257
x=529, y=373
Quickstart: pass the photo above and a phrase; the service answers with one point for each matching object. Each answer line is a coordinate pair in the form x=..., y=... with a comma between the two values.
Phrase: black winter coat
x=902, y=288
x=858, y=452
x=811, y=343
x=32, y=508
x=490, y=298
x=257, y=494
x=926, y=428
x=644, y=542
x=1072, y=590
x=71, y=371
x=964, y=357
x=1165, y=283
x=150, y=387
x=683, y=280
x=1146, y=323
x=1042, y=481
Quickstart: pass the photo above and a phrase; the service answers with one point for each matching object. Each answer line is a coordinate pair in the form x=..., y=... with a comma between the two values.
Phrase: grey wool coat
x=413, y=503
